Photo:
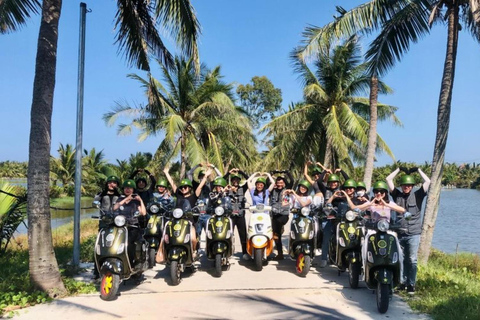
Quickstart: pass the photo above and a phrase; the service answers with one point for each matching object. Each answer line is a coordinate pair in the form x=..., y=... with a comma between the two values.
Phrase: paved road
x=241, y=293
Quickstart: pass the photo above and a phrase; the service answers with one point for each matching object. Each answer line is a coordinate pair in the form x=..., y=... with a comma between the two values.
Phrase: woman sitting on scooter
x=131, y=205
x=301, y=198
x=380, y=207
x=257, y=189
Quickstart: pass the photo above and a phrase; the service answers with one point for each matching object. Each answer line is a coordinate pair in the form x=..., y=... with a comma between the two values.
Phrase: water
x=458, y=221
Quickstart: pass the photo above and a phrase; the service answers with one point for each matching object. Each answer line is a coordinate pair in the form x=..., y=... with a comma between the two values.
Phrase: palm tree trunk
x=328, y=161
x=183, y=155
x=443, y=123
x=372, y=133
x=43, y=267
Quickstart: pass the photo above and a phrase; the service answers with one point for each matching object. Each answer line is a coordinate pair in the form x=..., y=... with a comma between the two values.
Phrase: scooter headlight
x=350, y=215
x=260, y=207
x=177, y=213
x=119, y=221
x=305, y=211
x=383, y=225
x=154, y=208
x=219, y=211
x=120, y=248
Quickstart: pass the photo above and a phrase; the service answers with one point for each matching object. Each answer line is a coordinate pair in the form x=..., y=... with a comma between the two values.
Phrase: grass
x=66, y=201
x=16, y=291
x=448, y=287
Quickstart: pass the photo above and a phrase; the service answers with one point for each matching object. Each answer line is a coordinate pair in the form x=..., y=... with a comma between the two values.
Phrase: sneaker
x=318, y=252
x=323, y=263
x=246, y=256
x=411, y=290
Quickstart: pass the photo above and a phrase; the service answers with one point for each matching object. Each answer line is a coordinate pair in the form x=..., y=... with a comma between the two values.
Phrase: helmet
x=407, y=179
x=129, y=183
x=316, y=170
x=114, y=179
x=185, y=182
x=281, y=177
x=333, y=178
x=235, y=176
x=201, y=173
x=261, y=180
x=304, y=183
x=141, y=180
x=162, y=183
x=380, y=185
x=361, y=184
x=219, y=181
x=350, y=183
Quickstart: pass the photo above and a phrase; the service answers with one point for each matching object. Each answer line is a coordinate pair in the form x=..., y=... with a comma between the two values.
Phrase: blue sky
x=247, y=38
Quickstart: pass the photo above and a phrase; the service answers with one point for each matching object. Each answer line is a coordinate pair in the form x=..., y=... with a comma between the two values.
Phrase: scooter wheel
x=109, y=286
x=354, y=270
x=175, y=273
x=218, y=265
x=303, y=264
x=383, y=297
x=151, y=258
x=258, y=258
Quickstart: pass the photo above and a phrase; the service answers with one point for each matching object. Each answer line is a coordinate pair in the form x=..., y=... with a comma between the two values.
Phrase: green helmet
x=361, y=184
x=262, y=180
x=219, y=181
x=201, y=173
x=129, y=183
x=114, y=179
x=333, y=178
x=380, y=185
x=185, y=182
x=407, y=179
x=316, y=170
x=235, y=176
x=350, y=183
x=304, y=183
x=162, y=183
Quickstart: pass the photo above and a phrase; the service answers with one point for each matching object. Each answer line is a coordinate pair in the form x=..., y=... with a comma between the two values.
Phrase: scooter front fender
x=384, y=276
x=113, y=265
x=176, y=253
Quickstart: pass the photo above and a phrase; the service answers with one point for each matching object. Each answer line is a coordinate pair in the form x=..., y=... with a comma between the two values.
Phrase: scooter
x=302, y=242
x=382, y=260
x=349, y=234
x=111, y=253
x=260, y=234
x=158, y=211
x=178, y=243
x=220, y=236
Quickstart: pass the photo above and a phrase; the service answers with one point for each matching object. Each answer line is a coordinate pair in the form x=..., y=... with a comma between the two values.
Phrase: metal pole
x=78, y=153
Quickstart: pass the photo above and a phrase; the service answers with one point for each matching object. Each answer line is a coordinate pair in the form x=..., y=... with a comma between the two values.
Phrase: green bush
x=55, y=191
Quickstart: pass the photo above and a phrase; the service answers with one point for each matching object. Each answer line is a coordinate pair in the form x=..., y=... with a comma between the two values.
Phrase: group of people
x=276, y=189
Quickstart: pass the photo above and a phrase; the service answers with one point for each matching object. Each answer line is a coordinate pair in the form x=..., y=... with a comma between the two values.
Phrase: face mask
x=360, y=193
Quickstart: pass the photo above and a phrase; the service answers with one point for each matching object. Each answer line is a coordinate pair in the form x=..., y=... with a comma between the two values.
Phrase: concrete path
x=276, y=292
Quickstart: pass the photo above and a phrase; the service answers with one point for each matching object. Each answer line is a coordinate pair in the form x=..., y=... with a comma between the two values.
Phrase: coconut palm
x=401, y=23
x=12, y=212
x=331, y=124
x=63, y=167
x=137, y=22
x=196, y=114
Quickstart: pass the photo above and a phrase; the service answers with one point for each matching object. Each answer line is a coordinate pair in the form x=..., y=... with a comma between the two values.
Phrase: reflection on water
x=61, y=217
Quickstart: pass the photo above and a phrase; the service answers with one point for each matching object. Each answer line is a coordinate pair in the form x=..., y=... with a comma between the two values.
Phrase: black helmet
x=140, y=180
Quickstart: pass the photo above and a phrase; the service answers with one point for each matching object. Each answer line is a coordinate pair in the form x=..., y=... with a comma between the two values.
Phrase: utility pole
x=78, y=153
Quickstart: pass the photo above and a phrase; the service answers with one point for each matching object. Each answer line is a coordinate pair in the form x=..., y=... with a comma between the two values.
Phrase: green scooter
x=158, y=212
x=302, y=242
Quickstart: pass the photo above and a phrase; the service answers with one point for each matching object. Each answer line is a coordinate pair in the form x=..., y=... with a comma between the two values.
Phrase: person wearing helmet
x=301, y=198
x=214, y=200
x=333, y=197
x=316, y=172
x=257, y=187
x=237, y=192
x=163, y=195
x=145, y=193
x=280, y=202
x=107, y=197
x=410, y=238
x=207, y=187
x=128, y=205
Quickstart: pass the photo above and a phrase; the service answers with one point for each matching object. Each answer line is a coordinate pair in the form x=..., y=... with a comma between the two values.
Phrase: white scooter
x=260, y=234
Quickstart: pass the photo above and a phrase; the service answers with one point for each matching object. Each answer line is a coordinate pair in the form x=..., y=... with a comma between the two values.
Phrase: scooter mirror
x=96, y=204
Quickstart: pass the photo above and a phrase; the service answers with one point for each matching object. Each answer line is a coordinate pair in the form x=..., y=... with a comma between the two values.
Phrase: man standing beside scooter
x=410, y=239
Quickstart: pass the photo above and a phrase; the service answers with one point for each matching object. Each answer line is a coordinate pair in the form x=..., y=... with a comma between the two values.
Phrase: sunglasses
x=379, y=191
x=184, y=187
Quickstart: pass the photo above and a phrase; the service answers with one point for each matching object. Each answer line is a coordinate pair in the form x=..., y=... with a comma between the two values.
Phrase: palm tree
x=401, y=23
x=332, y=122
x=137, y=36
x=196, y=114
x=63, y=168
